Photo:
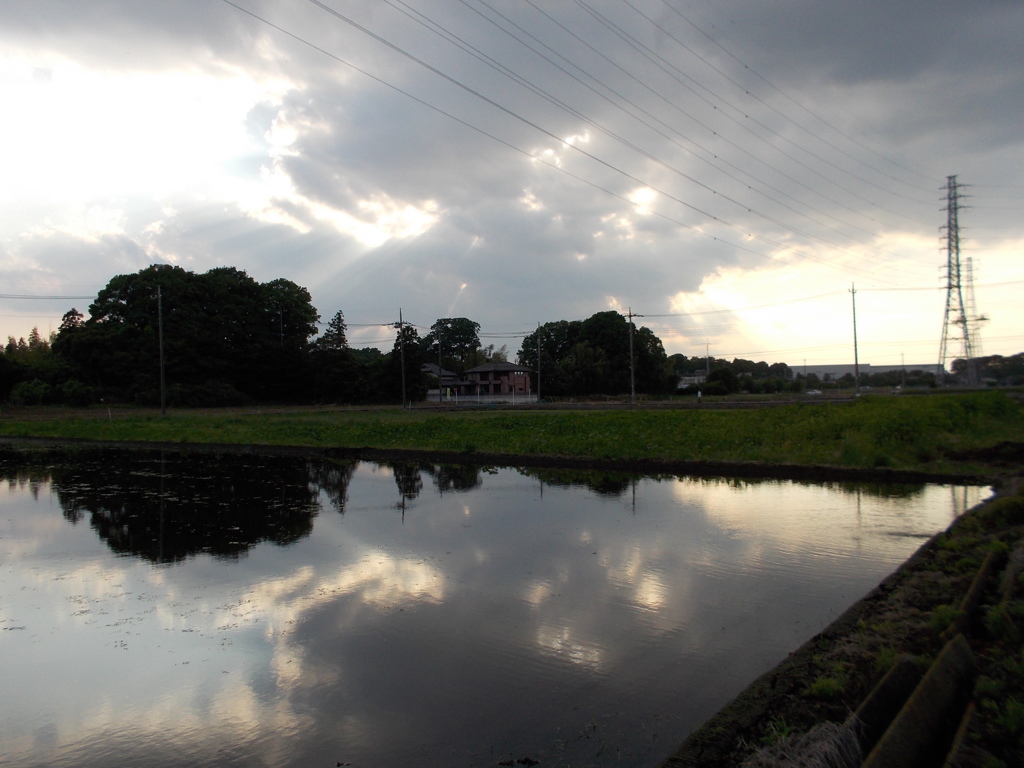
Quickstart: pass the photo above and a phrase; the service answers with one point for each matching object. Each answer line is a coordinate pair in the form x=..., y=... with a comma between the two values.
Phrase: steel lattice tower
x=959, y=318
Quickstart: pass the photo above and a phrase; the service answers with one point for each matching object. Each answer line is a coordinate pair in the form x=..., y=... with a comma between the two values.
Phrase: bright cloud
x=800, y=155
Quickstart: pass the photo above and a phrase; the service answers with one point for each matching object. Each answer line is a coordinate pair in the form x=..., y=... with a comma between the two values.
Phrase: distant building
x=448, y=381
x=835, y=372
x=499, y=379
x=690, y=381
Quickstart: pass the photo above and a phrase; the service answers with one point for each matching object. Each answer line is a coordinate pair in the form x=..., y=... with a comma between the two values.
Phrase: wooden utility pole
x=401, y=352
x=856, y=359
x=160, y=334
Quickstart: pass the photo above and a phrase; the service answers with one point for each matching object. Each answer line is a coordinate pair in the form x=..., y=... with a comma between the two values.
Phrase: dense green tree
x=10, y=374
x=654, y=374
x=584, y=369
x=226, y=337
x=489, y=354
x=335, y=334
x=721, y=381
x=31, y=374
x=994, y=369
x=602, y=365
x=458, y=339
x=686, y=366
x=368, y=355
x=609, y=332
x=554, y=341
x=337, y=375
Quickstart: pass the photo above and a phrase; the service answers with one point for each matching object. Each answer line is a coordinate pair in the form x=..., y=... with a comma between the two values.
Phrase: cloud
x=580, y=159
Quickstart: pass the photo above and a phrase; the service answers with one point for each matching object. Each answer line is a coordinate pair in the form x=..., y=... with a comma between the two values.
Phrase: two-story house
x=499, y=379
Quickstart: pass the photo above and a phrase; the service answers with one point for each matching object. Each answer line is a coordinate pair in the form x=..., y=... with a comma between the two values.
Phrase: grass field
x=935, y=433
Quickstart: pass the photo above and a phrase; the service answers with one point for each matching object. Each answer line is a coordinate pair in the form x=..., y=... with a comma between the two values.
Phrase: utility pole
x=538, y=362
x=632, y=375
x=856, y=359
x=160, y=335
x=401, y=352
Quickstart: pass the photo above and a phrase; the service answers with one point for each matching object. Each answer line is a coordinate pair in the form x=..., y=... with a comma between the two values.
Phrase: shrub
x=75, y=393
x=33, y=392
x=210, y=394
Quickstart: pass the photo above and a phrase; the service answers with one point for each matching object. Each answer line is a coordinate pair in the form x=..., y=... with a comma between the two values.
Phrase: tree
x=408, y=349
x=337, y=374
x=584, y=369
x=458, y=339
x=288, y=322
x=554, y=341
x=226, y=337
x=721, y=381
x=334, y=336
x=31, y=374
x=653, y=373
x=609, y=332
x=489, y=354
x=605, y=357
x=291, y=312
x=683, y=366
x=117, y=349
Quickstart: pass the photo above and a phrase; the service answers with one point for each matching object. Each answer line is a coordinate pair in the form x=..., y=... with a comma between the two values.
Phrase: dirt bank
x=910, y=613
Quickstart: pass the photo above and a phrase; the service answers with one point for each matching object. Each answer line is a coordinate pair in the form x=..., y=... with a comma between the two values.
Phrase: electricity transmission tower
x=961, y=320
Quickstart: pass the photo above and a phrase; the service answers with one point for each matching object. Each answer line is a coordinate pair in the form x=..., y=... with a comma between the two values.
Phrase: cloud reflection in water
x=421, y=634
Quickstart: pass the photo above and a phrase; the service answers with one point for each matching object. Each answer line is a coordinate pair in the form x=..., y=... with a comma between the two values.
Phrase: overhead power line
x=44, y=298
x=709, y=96
x=685, y=142
x=782, y=249
x=795, y=102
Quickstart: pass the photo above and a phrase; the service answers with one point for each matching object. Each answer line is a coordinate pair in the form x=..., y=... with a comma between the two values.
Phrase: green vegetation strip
x=938, y=433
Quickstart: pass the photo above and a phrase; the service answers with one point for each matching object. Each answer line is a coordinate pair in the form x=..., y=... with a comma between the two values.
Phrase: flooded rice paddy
x=168, y=609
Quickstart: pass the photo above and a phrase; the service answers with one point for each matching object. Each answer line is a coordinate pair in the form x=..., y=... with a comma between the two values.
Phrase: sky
x=730, y=172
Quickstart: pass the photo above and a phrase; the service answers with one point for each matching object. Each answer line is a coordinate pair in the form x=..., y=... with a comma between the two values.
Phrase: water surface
x=206, y=609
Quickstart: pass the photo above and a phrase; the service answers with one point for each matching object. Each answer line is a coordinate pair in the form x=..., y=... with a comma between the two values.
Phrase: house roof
x=433, y=368
x=500, y=367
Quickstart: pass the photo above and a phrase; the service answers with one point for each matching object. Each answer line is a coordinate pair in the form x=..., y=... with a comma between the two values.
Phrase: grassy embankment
x=937, y=434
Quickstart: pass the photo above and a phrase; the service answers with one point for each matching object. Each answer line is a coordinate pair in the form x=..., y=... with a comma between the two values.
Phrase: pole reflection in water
x=207, y=609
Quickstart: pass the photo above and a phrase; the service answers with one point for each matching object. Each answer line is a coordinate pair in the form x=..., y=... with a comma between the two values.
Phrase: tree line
x=226, y=339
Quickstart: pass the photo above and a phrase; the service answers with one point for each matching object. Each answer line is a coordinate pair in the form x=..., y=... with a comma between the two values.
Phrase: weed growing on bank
x=937, y=433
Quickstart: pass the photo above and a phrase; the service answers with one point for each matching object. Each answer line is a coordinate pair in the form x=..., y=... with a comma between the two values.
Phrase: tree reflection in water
x=168, y=506
x=523, y=607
